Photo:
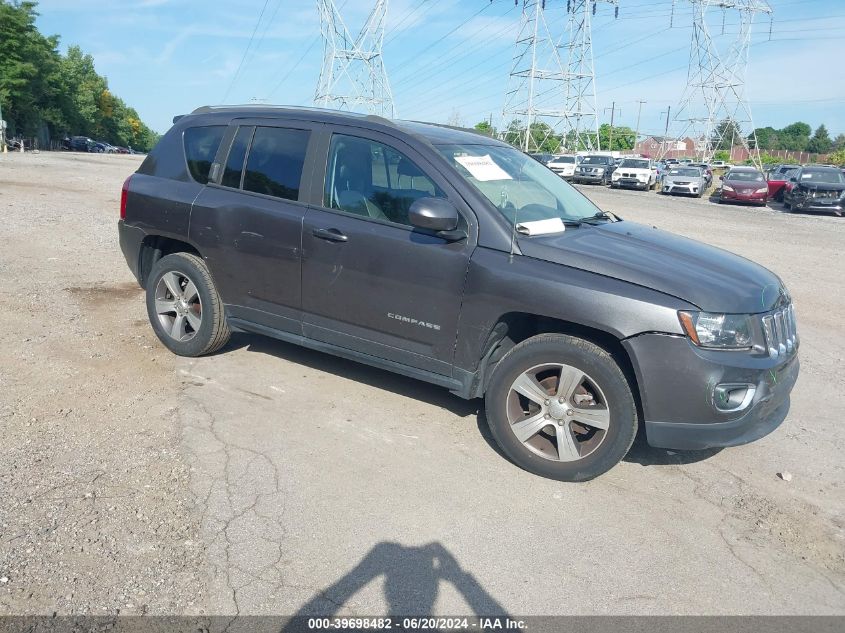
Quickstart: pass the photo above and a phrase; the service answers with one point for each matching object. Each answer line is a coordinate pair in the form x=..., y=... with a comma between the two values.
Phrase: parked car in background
x=778, y=182
x=684, y=180
x=720, y=164
x=563, y=165
x=595, y=168
x=542, y=158
x=781, y=170
x=816, y=189
x=744, y=184
x=121, y=150
x=706, y=170
x=79, y=144
x=101, y=147
x=635, y=173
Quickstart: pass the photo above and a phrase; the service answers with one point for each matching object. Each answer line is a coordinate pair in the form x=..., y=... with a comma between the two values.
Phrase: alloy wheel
x=558, y=412
x=178, y=306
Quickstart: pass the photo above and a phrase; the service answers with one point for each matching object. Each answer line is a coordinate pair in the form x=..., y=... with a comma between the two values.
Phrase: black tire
x=787, y=206
x=600, y=368
x=213, y=331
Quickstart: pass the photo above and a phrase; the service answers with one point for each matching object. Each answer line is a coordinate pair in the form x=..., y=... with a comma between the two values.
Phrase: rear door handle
x=332, y=235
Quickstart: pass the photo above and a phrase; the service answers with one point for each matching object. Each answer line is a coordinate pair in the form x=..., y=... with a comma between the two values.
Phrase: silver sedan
x=685, y=180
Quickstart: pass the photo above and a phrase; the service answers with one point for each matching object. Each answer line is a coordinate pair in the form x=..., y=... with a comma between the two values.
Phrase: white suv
x=638, y=173
x=563, y=165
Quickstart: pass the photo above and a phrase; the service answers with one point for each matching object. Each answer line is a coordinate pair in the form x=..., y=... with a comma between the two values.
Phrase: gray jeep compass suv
x=454, y=258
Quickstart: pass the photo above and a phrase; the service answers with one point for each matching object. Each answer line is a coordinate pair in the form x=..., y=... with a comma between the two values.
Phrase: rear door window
x=201, y=144
x=235, y=161
x=276, y=159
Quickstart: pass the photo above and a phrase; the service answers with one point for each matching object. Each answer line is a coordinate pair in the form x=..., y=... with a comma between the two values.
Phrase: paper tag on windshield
x=541, y=227
x=483, y=168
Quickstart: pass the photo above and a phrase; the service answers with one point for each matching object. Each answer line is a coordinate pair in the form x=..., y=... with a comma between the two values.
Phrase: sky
x=447, y=60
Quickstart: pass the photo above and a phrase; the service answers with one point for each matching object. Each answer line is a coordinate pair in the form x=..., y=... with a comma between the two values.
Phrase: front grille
x=682, y=182
x=781, y=332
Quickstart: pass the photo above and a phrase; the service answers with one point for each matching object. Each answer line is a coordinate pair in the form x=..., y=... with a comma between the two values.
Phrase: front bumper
x=735, y=196
x=632, y=183
x=691, y=189
x=814, y=204
x=677, y=381
x=590, y=177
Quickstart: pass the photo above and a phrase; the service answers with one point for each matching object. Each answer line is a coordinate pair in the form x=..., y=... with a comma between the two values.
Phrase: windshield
x=827, y=176
x=564, y=159
x=634, y=164
x=594, y=160
x=685, y=171
x=745, y=176
x=517, y=186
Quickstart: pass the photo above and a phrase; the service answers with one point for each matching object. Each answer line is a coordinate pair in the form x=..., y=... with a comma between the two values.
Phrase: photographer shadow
x=411, y=582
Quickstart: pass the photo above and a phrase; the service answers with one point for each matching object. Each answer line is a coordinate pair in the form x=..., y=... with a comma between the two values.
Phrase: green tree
x=838, y=157
x=839, y=142
x=485, y=128
x=795, y=137
x=820, y=143
x=767, y=137
x=43, y=92
x=623, y=138
x=726, y=134
x=722, y=154
x=542, y=138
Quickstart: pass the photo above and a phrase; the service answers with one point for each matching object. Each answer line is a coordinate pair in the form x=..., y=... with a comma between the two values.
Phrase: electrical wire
x=246, y=51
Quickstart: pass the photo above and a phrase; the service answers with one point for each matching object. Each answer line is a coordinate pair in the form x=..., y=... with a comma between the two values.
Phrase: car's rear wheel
x=183, y=306
x=560, y=407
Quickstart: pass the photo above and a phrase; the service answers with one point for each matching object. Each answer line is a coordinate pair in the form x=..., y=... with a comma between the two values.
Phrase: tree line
x=798, y=136
x=47, y=95
x=543, y=138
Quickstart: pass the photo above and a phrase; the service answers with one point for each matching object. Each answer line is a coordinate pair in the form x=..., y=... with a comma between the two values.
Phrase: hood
x=705, y=276
x=746, y=184
x=634, y=170
x=821, y=186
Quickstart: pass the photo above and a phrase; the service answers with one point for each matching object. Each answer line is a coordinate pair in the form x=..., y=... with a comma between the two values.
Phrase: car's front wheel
x=560, y=407
x=183, y=306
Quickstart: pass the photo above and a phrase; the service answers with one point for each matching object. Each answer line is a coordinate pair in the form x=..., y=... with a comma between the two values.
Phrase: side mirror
x=721, y=177
x=434, y=214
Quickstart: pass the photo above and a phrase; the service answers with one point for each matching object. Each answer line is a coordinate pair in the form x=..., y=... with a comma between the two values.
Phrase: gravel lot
x=272, y=479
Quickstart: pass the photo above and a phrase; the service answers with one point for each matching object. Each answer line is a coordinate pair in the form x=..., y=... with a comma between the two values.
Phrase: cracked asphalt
x=269, y=479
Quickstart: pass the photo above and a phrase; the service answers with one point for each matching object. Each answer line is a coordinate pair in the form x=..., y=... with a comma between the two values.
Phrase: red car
x=778, y=182
x=744, y=184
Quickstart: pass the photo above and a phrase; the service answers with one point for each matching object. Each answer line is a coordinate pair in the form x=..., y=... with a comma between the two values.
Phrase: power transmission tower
x=353, y=76
x=551, y=90
x=581, y=111
x=715, y=92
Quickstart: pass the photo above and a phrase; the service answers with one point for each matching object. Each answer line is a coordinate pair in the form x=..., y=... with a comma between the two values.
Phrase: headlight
x=641, y=176
x=763, y=190
x=727, y=188
x=599, y=170
x=721, y=331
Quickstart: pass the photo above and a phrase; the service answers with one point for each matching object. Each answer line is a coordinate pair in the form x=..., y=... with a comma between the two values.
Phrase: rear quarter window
x=201, y=144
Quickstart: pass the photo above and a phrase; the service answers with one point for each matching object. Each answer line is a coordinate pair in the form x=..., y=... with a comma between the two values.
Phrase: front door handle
x=332, y=235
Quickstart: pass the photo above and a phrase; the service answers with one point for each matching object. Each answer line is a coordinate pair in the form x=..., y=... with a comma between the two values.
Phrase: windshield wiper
x=596, y=218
